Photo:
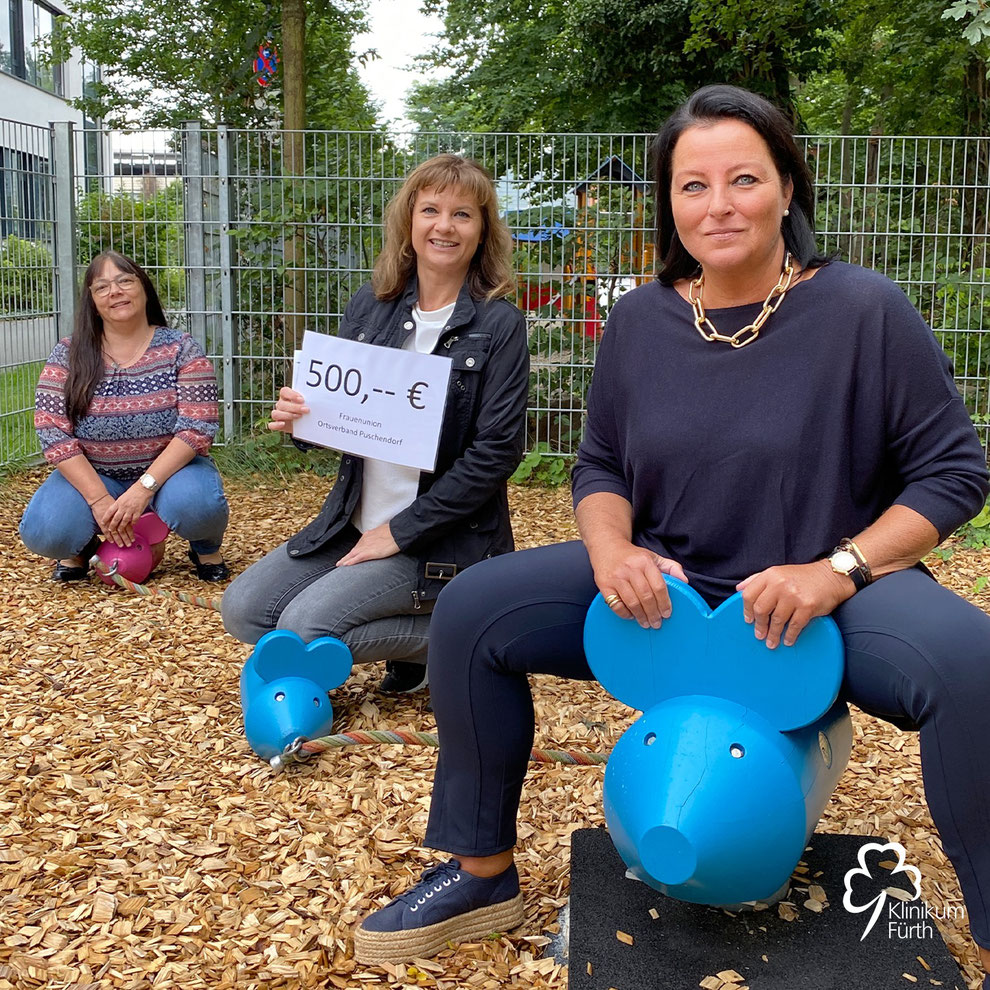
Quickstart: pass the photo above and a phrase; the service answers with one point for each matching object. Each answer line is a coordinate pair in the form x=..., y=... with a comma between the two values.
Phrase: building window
x=25, y=29
x=25, y=194
x=6, y=40
x=92, y=134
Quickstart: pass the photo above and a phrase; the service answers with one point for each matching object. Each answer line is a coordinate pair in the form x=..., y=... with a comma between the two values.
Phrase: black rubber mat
x=685, y=944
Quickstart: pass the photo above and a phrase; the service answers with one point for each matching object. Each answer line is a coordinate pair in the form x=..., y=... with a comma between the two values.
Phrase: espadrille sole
x=422, y=943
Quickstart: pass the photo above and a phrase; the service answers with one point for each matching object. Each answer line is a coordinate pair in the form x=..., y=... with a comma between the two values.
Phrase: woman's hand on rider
x=636, y=576
x=289, y=407
x=788, y=597
x=375, y=544
x=118, y=516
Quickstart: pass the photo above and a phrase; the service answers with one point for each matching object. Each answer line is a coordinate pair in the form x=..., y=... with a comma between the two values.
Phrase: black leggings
x=916, y=655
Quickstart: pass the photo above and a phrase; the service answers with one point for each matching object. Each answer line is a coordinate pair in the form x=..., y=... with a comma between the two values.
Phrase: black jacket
x=461, y=514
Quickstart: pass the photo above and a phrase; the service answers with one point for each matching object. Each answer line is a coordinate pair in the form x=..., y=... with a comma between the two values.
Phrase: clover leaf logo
x=863, y=870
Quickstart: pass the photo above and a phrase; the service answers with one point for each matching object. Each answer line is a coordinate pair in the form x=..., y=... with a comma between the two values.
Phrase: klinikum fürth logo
x=907, y=916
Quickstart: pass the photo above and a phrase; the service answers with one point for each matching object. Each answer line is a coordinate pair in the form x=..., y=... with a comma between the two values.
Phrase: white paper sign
x=372, y=401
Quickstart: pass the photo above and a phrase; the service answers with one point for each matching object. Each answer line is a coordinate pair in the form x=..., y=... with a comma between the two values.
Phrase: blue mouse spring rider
x=284, y=685
x=712, y=795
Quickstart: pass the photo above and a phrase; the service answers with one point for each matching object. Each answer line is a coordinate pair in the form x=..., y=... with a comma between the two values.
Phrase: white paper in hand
x=372, y=401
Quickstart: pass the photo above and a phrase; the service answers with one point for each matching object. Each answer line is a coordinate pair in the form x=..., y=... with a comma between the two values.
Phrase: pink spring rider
x=138, y=560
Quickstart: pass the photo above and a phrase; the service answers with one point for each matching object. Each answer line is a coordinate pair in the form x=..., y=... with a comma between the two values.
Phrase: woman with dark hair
x=388, y=538
x=761, y=420
x=126, y=410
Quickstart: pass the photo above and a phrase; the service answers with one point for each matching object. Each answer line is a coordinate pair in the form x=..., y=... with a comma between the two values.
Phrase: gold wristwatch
x=848, y=559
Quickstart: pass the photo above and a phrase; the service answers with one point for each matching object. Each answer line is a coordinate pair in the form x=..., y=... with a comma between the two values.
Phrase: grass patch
x=18, y=441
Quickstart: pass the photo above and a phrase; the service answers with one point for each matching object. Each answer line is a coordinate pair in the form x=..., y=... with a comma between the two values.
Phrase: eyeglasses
x=124, y=282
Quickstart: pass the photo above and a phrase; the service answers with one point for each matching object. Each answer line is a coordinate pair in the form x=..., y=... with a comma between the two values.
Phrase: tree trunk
x=847, y=177
x=294, y=166
x=973, y=199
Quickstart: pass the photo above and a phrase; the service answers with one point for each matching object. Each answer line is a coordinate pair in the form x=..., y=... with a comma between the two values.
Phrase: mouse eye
x=737, y=751
x=649, y=739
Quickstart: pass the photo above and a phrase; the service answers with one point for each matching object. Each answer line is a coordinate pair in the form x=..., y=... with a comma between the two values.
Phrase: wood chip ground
x=143, y=845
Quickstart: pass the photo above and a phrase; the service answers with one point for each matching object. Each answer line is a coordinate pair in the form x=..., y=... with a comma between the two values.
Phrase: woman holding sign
x=368, y=568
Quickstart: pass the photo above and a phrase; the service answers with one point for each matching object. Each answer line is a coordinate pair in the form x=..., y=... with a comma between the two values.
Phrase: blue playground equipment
x=284, y=685
x=712, y=794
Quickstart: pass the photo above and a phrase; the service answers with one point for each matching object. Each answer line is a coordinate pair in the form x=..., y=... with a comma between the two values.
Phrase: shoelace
x=446, y=873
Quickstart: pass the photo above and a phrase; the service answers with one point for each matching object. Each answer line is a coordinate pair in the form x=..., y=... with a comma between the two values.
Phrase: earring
x=787, y=213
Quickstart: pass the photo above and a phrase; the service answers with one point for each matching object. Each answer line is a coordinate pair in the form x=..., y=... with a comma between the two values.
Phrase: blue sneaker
x=447, y=905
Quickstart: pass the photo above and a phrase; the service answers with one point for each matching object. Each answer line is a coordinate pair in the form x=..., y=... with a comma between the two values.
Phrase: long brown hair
x=86, y=349
x=490, y=274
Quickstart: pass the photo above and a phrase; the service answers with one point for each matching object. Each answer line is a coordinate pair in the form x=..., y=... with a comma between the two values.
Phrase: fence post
x=63, y=176
x=227, y=333
x=193, y=195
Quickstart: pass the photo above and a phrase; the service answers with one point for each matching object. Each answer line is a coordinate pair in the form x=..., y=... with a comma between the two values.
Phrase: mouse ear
x=790, y=686
x=642, y=667
x=326, y=661
x=700, y=652
x=151, y=527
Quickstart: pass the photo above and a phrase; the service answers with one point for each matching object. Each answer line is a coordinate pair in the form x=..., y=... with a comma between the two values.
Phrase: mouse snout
x=668, y=855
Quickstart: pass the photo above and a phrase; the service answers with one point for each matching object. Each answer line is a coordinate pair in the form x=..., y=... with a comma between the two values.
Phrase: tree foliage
x=898, y=69
x=609, y=65
x=873, y=66
x=976, y=15
x=165, y=61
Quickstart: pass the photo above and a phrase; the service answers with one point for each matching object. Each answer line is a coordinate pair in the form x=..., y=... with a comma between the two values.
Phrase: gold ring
x=613, y=600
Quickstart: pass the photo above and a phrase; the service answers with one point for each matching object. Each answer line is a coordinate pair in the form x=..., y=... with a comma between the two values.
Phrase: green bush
x=26, y=277
x=976, y=533
x=541, y=467
x=561, y=360
x=147, y=230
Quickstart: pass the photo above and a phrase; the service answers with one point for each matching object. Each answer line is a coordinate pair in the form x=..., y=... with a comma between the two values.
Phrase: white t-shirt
x=388, y=488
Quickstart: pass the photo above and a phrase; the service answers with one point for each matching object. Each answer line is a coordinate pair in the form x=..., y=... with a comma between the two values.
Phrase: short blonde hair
x=490, y=274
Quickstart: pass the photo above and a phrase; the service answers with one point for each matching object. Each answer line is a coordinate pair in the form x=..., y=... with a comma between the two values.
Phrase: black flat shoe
x=403, y=677
x=209, y=572
x=66, y=573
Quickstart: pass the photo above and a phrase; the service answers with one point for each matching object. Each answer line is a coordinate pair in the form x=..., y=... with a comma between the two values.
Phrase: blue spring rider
x=284, y=685
x=712, y=795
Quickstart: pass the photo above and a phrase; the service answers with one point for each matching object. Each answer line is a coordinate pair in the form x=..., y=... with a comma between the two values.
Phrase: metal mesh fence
x=917, y=209
x=27, y=280
x=255, y=236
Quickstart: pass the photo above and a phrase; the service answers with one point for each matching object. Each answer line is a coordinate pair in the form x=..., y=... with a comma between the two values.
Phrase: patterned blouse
x=170, y=391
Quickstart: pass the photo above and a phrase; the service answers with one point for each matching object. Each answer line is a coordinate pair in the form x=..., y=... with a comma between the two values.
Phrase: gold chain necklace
x=740, y=338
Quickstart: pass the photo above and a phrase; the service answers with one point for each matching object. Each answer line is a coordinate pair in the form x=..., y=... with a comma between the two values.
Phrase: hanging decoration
x=266, y=64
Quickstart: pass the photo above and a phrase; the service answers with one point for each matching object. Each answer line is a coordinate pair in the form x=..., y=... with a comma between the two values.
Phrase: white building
x=34, y=95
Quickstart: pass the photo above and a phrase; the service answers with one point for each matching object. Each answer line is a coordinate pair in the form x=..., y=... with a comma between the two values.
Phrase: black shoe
x=209, y=572
x=65, y=572
x=403, y=677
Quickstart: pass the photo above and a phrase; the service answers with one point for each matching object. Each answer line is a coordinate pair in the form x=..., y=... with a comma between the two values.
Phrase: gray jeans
x=368, y=605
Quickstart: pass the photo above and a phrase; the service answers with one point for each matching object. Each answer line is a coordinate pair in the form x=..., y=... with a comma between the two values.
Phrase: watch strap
x=860, y=559
x=860, y=575
x=856, y=576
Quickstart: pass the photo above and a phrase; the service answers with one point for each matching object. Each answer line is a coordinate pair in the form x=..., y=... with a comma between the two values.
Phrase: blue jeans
x=58, y=523
x=916, y=655
x=370, y=606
